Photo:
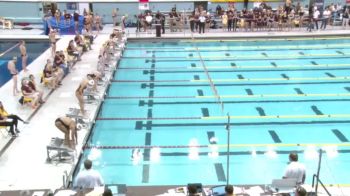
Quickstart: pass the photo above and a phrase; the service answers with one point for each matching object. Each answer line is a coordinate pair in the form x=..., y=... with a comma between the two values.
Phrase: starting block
x=61, y=152
x=75, y=113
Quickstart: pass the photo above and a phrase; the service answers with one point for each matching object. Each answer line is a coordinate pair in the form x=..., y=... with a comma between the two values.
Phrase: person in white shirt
x=325, y=18
x=88, y=178
x=202, y=20
x=295, y=169
x=315, y=17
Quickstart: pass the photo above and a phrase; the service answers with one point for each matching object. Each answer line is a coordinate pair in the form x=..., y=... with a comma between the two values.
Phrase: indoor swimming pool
x=164, y=119
x=9, y=48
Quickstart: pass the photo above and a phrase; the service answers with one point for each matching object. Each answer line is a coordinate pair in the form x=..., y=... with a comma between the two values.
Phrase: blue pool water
x=281, y=95
x=34, y=49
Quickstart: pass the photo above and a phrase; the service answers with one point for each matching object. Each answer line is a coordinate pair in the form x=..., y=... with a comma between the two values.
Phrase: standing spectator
x=11, y=66
x=88, y=178
x=114, y=16
x=316, y=15
x=224, y=21
x=123, y=22
x=67, y=18
x=76, y=17
x=295, y=169
x=98, y=22
x=24, y=56
x=52, y=38
x=345, y=18
x=202, y=20
x=325, y=19
x=192, y=22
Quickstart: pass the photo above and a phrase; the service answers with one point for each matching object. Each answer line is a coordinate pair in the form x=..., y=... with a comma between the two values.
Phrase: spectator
x=229, y=190
x=88, y=178
x=49, y=76
x=114, y=16
x=202, y=20
x=11, y=66
x=346, y=18
x=325, y=19
x=316, y=15
x=73, y=51
x=295, y=169
x=52, y=38
x=67, y=18
x=12, y=117
x=76, y=17
x=28, y=92
x=4, y=121
x=32, y=84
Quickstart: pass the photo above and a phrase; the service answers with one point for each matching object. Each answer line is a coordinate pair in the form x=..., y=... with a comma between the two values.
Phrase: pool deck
x=23, y=159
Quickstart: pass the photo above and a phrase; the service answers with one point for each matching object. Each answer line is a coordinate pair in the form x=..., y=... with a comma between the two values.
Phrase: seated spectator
x=88, y=36
x=80, y=42
x=28, y=92
x=49, y=76
x=73, y=51
x=32, y=84
x=300, y=191
x=5, y=122
x=88, y=178
x=11, y=117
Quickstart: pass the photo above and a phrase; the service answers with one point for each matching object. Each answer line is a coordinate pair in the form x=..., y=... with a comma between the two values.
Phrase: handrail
x=319, y=181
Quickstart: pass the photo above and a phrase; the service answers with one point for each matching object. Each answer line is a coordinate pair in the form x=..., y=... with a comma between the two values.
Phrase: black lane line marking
x=153, y=60
x=141, y=103
x=249, y=91
x=250, y=70
x=260, y=111
x=233, y=65
x=146, y=61
x=151, y=78
x=149, y=113
x=190, y=55
x=249, y=153
x=193, y=64
x=273, y=64
x=220, y=172
x=210, y=135
x=313, y=62
x=200, y=92
x=285, y=76
x=145, y=173
x=149, y=124
x=330, y=75
x=264, y=54
x=301, y=53
x=151, y=93
x=340, y=135
x=299, y=91
x=180, y=59
x=316, y=110
x=152, y=72
x=153, y=65
x=205, y=112
x=196, y=77
x=227, y=54
x=274, y=136
x=144, y=85
x=347, y=88
x=239, y=76
x=340, y=52
x=243, y=102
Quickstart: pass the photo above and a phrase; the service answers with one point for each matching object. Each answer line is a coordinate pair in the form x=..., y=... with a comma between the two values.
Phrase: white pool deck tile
x=23, y=164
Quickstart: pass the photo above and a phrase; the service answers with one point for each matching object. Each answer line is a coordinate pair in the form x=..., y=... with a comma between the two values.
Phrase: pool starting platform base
x=75, y=113
x=57, y=151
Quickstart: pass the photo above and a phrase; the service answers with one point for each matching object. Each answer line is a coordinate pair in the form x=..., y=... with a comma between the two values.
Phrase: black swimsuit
x=64, y=124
